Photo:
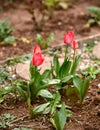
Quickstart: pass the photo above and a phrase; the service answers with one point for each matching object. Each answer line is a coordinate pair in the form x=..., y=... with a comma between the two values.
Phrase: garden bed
x=85, y=116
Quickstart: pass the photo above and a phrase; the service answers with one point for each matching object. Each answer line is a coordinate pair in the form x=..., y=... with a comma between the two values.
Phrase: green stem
x=66, y=51
x=31, y=113
x=35, y=69
x=29, y=103
x=74, y=55
x=29, y=97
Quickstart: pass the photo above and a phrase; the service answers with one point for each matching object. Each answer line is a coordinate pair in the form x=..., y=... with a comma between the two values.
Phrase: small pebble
x=99, y=85
x=14, y=76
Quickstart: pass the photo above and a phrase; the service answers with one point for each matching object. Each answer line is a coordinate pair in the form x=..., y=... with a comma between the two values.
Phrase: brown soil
x=85, y=117
x=74, y=18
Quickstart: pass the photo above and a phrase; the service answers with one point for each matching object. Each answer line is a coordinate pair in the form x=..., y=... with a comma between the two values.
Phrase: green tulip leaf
x=78, y=83
x=45, y=93
x=65, y=68
x=40, y=108
x=85, y=87
x=56, y=65
x=75, y=65
x=55, y=102
x=66, y=78
x=60, y=118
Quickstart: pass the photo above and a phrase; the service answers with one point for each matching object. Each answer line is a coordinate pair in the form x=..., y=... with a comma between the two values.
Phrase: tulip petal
x=74, y=45
x=37, y=59
x=36, y=49
x=69, y=37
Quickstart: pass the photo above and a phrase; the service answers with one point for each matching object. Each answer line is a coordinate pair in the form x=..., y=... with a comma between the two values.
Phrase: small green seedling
x=90, y=45
x=5, y=33
x=5, y=120
x=51, y=4
x=95, y=15
x=44, y=43
x=91, y=71
x=17, y=59
x=3, y=75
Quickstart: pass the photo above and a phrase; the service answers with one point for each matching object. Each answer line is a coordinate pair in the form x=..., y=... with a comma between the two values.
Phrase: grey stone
x=22, y=69
x=96, y=50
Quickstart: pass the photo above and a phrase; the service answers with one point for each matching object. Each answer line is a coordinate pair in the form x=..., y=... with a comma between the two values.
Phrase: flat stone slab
x=96, y=50
x=22, y=69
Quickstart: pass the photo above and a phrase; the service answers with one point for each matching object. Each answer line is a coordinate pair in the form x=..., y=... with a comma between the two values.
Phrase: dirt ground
x=74, y=18
x=85, y=117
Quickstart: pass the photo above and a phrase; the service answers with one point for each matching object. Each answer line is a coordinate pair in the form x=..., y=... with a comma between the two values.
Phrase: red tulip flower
x=74, y=45
x=37, y=49
x=69, y=37
x=37, y=58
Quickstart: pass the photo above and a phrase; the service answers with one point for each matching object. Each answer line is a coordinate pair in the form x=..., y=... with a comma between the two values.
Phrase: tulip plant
x=66, y=72
x=38, y=84
x=60, y=76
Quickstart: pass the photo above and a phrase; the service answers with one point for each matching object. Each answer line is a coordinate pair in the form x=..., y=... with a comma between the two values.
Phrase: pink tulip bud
x=37, y=49
x=69, y=37
x=74, y=45
x=37, y=58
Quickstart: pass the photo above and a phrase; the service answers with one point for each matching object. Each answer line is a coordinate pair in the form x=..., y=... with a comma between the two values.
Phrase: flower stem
x=66, y=51
x=74, y=55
